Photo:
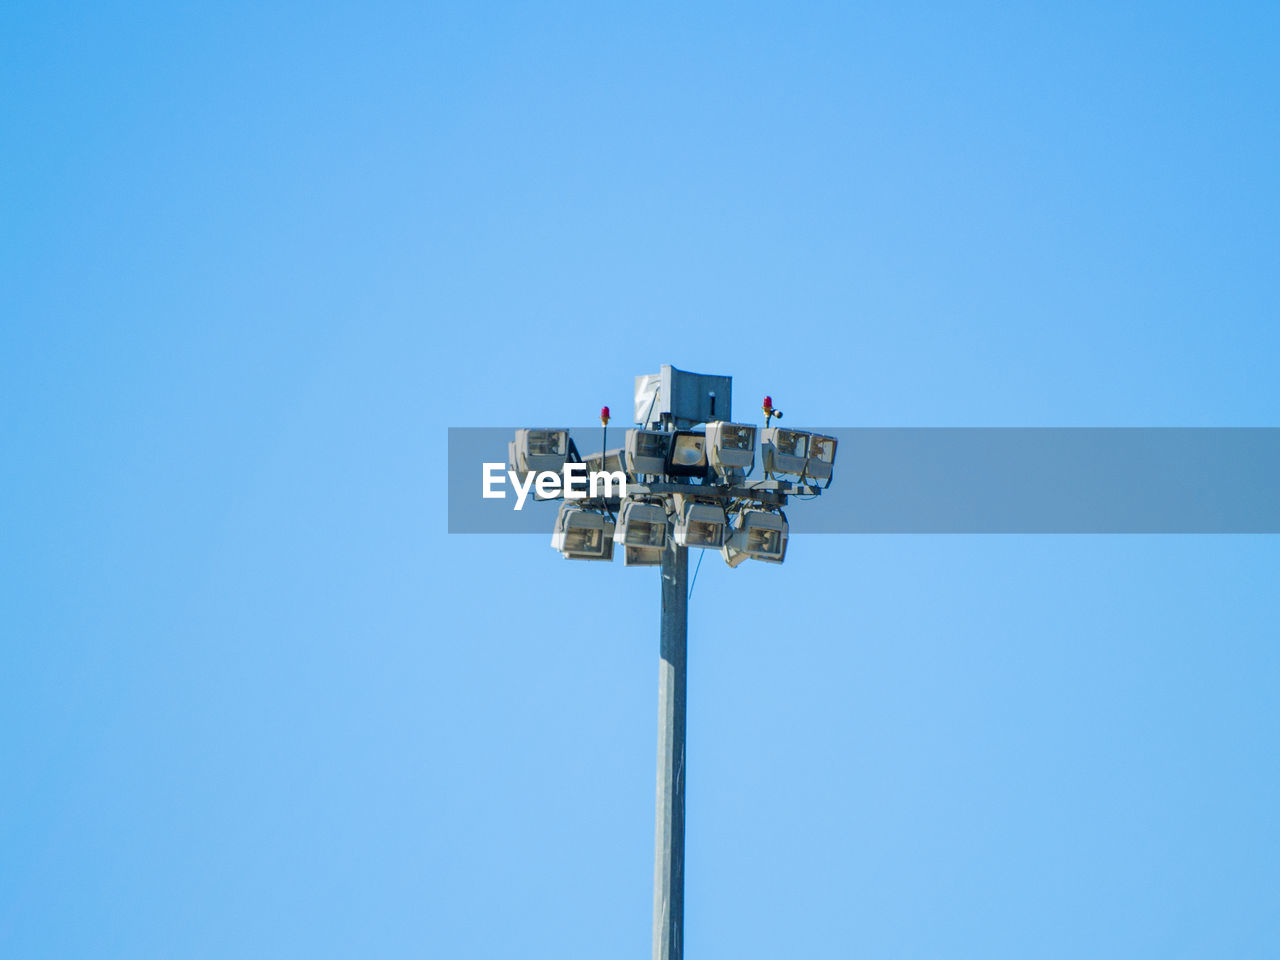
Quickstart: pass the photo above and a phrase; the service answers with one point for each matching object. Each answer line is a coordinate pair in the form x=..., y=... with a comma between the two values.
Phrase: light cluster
x=691, y=489
x=797, y=453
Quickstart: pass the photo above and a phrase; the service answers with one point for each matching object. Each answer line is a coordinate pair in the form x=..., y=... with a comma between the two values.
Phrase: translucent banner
x=969, y=480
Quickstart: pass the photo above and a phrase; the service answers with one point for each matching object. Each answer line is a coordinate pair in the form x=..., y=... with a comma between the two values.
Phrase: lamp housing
x=610, y=462
x=785, y=452
x=583, y=534
x=642, y=531
x=822, y=456
x=731, y=448
x=646, y=452
x=541, y=449
x=687, y=455
x=758, y=535
x=701, y=525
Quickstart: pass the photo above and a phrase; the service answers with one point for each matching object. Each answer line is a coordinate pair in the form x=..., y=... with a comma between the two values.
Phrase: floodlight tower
x=668, y=846
x=686, y=487
x=674, y=400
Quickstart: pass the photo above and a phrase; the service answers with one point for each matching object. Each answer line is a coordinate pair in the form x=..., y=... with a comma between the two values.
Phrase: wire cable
x=693, y=583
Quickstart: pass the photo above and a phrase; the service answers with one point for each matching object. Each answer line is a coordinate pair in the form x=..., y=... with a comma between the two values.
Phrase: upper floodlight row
x=724, y=452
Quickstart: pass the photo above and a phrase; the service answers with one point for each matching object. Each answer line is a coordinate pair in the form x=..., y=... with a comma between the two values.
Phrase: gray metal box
x=676, y=396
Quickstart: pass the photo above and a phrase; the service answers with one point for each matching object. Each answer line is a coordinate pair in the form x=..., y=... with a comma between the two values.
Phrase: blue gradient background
x=254, y=259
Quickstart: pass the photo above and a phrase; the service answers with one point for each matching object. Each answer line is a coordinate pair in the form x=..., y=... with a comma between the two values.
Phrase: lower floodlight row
x=726, y=450
x=642, y=529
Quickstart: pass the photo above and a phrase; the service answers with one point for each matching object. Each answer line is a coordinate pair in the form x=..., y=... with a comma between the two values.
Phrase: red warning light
x=768, y=403
x=604, y=415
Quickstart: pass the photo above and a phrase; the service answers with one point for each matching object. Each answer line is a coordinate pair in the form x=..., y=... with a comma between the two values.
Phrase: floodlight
x=758, y=535
x=687, y=456
x=785, y=452
x=731, y=448
x=642, y=530
x=700, y=525
x=583, y=534
x=642, y=556
x=646, y=452
x=611, y=462
x=822, y=454
x=541, y=450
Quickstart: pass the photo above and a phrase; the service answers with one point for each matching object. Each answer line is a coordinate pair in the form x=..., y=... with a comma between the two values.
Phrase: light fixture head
x=822, y=455
x=642, y=531
x=642, y=556
x=541, y=449
x=642, y=524
x=646, y=452
x=700, y=525
x=610, y=462
x=731, y=448
x=785, y=452
x=758, y=535
x=583, y=534
x=687, y=455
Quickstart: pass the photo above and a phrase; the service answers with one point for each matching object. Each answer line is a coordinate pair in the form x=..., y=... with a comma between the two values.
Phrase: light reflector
x=731, y=448
x=700, y=525
x=785, y=452
x=642, y=530
x=583, y=534
x=687, y=456
x=642, y=525
x=758, y=535
x=610, y=462
x=541, y=449
x=646, y=452
x=822, y=455
x=642, y=556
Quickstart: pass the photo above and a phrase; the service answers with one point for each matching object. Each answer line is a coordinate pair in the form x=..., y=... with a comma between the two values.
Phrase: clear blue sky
x=254, y=259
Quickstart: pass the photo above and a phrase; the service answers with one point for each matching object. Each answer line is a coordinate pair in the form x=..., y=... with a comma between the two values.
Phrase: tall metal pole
x=668, y=859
